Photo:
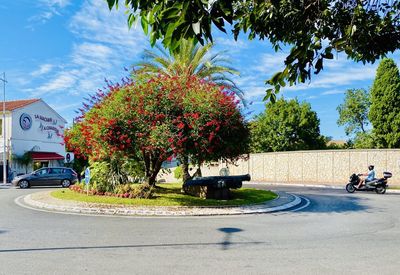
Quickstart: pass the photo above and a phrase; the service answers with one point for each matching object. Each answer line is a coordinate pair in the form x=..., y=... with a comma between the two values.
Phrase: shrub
x=132, y=191
x=107, y=175
x=178, y=173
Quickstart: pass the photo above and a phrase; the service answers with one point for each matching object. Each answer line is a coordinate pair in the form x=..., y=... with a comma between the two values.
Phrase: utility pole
x=4, y=129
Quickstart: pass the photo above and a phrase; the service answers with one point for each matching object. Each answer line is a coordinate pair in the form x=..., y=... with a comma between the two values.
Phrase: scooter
x=377, y=185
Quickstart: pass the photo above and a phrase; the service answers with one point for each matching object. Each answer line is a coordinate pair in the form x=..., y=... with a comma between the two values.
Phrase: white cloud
x=340, y=77
x=252, y=92
x=94, y=22
x=232, y=44
x=333, y=92
x=105, y=47
x=91, y=54
x=49, y=8
x=43, y=69
x=62, y=81
x=270, y=63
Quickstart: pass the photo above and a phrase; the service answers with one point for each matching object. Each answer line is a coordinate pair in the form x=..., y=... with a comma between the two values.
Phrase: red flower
x=181, y=125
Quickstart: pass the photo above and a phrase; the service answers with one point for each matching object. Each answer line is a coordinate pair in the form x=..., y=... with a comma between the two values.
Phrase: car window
x=42, y=171
x=57, y=170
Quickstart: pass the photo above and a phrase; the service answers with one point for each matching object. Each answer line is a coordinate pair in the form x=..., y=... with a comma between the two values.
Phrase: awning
x=45, y=156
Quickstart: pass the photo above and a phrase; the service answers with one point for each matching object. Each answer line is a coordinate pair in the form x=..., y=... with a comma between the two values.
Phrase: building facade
x=33, y=134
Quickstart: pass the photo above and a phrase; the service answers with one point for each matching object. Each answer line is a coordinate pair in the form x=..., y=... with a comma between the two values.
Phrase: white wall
x=42, y=134
x=8, y=130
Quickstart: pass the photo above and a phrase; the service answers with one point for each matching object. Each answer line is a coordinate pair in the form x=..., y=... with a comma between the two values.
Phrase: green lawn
x=170, y=195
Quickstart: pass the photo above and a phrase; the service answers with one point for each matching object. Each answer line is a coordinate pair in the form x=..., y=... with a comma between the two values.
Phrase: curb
x=107, y=210
x=337, y=187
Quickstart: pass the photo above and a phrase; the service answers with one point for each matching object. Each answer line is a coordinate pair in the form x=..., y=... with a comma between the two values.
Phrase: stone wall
x=312, y=167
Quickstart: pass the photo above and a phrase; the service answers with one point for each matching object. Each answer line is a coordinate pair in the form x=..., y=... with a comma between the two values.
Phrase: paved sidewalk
x=44, y=201
x=6, y=186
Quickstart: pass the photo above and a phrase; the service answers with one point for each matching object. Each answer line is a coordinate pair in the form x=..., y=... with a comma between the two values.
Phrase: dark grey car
x=63, y=176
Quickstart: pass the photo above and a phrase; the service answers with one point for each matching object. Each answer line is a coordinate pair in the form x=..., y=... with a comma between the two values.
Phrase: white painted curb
x=30, y=203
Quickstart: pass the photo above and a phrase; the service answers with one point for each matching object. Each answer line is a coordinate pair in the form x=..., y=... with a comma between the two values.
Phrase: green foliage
x=25, y=159
x=107, y=175
x=364, y=140
x=79, y=164
x=285, y=126
x=178, y=173
x=191, y=59
x=134, y=169
x=385, y=105
x=364, y=30
x=353, y=112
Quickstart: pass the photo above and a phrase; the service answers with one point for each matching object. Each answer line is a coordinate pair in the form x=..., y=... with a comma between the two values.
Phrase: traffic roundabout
x=43, y=201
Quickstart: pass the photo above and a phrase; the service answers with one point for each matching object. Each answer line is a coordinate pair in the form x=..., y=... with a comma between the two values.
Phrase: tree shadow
x=334, y=204
x=228, y=233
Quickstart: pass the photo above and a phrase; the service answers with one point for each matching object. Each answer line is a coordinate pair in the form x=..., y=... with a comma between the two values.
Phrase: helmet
x=371, y=167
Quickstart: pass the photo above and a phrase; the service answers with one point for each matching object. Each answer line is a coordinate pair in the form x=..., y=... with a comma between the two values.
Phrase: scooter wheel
x=380, y=190
x=350, y=188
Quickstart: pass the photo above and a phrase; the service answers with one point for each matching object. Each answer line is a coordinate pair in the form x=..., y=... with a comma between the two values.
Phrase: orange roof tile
x=15, y=104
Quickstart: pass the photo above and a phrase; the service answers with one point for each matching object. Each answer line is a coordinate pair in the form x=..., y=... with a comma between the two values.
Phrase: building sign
x=46, y=119
x=25, y=121
x=48, y=125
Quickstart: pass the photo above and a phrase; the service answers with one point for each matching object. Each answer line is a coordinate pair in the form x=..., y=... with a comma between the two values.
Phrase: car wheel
x=65, y=183
x=23, y=184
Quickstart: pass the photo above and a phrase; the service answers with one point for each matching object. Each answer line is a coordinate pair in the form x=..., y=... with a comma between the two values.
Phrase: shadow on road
x=123, y=246
x=228, y=233
x=334, y=204
x=3, y=231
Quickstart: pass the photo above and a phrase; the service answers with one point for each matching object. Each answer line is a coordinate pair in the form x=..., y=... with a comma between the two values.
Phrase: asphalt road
x=337, y=233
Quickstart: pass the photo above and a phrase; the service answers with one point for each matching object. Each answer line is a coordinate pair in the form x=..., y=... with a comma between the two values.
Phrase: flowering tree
x=159, y=118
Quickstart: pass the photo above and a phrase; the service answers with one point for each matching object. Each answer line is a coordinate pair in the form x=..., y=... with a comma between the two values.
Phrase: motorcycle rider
x=369, y=176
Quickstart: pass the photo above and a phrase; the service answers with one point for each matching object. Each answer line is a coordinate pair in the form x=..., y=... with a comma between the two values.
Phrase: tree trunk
x=155, y=168
x=185, y=168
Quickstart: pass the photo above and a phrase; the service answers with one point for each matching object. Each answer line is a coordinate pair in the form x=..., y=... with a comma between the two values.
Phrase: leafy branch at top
x=365, y=30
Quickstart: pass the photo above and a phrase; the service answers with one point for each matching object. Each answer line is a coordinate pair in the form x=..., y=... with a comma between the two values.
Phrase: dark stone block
x=214, y=187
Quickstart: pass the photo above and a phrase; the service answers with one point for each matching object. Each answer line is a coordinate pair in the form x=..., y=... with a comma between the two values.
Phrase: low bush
x=132, y=191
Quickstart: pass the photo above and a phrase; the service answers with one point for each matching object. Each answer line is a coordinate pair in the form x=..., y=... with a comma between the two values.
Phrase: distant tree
x=365, y=30
x=364, y=140
x=353, y=112
x=285, y=126
x=385, y=105
x=24, y=159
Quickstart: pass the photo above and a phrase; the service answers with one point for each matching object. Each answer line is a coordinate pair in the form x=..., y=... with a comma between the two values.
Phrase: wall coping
x=328, y=151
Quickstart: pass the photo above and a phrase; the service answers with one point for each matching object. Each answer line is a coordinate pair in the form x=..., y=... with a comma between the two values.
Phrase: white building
x=32, y=126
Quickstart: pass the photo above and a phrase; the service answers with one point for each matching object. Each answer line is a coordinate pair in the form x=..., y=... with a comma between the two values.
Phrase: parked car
x=63, y=176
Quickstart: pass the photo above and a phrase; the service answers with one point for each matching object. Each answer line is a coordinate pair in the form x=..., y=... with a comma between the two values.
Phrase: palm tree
x=190, y=60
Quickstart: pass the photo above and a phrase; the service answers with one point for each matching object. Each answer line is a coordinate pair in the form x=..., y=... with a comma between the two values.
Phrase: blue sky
x=62, y=50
